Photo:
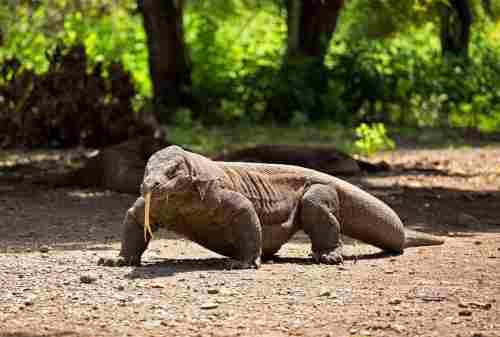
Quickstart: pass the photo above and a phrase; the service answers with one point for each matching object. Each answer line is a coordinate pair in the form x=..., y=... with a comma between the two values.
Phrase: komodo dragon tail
x=417, y=239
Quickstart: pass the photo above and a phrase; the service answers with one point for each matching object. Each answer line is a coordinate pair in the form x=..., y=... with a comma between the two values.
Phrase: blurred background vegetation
x=321, y=64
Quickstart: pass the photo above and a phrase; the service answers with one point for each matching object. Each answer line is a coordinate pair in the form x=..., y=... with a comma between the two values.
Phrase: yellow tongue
x=147, y=227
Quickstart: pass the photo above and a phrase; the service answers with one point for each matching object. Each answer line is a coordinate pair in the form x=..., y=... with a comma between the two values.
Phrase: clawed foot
x=333, y=257
x=119, y=261
x=237, y=264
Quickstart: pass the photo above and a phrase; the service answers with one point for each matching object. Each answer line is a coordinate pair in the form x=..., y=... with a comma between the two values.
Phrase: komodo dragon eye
x=172, y=169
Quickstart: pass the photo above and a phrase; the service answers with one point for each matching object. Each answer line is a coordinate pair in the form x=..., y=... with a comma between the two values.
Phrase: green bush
x=237, y=51
x=372, y=139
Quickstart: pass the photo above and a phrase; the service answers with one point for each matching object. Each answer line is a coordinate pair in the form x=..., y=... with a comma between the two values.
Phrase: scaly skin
x=247, y=211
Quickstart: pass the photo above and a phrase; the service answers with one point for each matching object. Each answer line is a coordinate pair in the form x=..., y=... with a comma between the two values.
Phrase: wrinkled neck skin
x=174, y=176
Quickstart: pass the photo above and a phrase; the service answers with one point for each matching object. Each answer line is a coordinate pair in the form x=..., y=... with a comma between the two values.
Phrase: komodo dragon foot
x=119, y=261
x=133, y=241
x=237, y=264
x=319, y=207
x=333, y=257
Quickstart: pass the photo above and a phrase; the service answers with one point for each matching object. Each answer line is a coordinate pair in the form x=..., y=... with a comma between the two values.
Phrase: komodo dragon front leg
x=133, y=242
x=235, y=226
x=319, y=218
x=235, y=214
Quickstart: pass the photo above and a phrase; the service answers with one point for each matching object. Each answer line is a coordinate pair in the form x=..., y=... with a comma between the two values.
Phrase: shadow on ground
x=170, y=267
x=90, y=219
x=31, y=334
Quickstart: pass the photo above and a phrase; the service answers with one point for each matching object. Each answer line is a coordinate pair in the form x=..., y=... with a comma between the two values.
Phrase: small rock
x=477, y=243
x=353, y=331
x=395, y=301
x=213, y=291
x=120, y=287
x=44, y=249
x=209, y=305
x=151, y=324
x=87, y=279
x=377, y=325
x=478, y=305
x=398, y=328
x=478, y=334
x=465, y=313
x=429, y=294
x=325, y=293
x=107, y=262
x=157, y=286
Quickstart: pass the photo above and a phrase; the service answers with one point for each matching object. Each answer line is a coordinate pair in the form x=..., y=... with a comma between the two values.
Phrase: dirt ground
x=51, y=239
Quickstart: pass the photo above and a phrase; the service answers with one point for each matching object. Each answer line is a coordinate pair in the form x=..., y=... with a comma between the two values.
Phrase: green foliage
x=184, y=118
x=109, y=30
x=405, y=81
x=384, y=64
x=214, y=139
x=229, y=47
x=372, y=139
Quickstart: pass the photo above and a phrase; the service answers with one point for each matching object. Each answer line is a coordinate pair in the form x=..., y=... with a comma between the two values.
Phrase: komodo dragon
x=247, y=210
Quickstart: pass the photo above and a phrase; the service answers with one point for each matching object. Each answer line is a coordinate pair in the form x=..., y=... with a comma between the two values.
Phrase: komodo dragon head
x=166, y=171
x=173, y=171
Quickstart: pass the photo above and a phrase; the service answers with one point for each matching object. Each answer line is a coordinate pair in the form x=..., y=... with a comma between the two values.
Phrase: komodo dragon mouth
x=151, y=185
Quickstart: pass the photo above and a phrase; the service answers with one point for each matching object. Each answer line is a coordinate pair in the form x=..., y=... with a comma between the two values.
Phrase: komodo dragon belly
x=279, y=223
x=203, y=225
x=199, y=224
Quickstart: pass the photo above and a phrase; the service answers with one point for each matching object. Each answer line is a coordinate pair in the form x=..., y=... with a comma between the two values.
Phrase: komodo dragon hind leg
x=318, y=208
x=133, y=244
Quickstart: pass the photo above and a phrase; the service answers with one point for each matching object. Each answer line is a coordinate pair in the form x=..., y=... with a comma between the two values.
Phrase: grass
x=211, y=140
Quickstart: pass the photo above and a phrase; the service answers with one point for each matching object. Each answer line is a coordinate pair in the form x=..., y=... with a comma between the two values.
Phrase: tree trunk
x=456, y=20
x=311, y=24
x=168, y=57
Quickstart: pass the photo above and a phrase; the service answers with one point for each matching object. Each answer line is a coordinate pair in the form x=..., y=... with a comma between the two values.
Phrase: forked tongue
x=147, y=227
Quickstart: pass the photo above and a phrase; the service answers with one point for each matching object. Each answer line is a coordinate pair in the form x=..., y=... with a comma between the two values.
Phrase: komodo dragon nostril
x=150, y=185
